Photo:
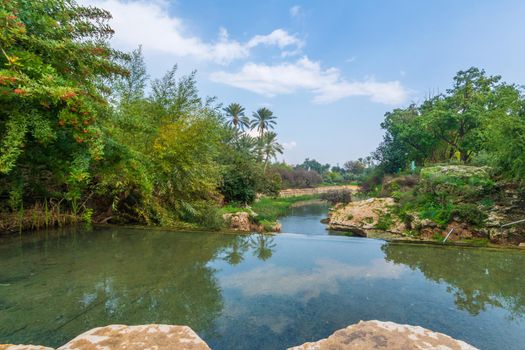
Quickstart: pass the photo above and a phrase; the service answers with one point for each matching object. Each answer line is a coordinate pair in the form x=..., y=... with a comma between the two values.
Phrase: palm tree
x=246, y=143
x=237, y=118
x=270, y=147
x=263, y=120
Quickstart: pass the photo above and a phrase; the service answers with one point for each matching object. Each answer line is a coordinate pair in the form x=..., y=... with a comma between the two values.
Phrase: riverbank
x=295, y=192
x=263, y=214
x=453, y=203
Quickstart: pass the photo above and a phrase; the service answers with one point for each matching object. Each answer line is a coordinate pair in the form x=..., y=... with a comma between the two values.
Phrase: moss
x=267, y=225
x=349, y=217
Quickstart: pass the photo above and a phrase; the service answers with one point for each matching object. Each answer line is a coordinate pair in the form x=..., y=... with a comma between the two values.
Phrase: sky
x=329, y=70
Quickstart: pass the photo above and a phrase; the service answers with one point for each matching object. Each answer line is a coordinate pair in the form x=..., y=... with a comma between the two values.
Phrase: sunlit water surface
x=254, y=291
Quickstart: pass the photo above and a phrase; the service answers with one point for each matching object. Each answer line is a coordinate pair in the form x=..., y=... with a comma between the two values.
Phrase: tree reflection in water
x=477, y=278
x=262, y=247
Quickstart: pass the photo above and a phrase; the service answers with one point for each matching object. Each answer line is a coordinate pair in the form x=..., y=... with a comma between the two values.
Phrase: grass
x=267, y=210
x=270, y=209
x=347, y=183
x=384, y=222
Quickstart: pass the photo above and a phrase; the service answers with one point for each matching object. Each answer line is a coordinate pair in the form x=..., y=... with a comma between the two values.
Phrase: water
x=306, y=218
x=254, y=291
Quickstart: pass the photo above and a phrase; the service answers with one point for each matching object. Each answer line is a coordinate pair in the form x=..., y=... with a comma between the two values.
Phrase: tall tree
x=263, y=120
x=132, y=86
x=270, y=147
x=236, y=115
x=55, y=58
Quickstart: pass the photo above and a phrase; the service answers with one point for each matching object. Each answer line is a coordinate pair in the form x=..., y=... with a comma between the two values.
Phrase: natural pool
x=254, y=291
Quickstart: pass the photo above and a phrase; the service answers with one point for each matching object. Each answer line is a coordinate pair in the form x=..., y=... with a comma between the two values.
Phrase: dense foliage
x=83, y=129
x=479, y=120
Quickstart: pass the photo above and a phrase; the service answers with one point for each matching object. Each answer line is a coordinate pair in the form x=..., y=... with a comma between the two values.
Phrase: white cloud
x=149, y=23
x=295, y=11
x=323, y=277
x=289, y=145
x=278, y=37
x=327, y=85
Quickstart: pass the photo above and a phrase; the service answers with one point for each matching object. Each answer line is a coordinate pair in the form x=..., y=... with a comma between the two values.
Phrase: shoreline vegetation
x=71, y=102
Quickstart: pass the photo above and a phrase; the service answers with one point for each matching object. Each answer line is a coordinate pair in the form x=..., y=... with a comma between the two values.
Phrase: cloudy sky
x=328, y=70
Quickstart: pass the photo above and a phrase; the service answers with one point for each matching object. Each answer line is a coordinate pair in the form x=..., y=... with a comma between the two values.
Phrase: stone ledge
x=361, y=336
x=385, y=335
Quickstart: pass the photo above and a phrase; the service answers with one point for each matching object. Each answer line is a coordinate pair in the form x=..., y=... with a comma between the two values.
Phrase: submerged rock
x=385, y=335
x=152, y=336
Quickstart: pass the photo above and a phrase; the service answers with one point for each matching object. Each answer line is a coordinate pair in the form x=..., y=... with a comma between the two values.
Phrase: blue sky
x=328, y=69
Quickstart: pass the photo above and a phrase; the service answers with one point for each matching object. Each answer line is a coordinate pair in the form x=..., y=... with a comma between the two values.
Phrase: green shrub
x=384, y=222
x=468, y=212
x=337, y=196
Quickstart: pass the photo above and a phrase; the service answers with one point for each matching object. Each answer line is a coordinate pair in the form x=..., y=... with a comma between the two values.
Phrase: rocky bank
x=364, y=335
x=465, y=200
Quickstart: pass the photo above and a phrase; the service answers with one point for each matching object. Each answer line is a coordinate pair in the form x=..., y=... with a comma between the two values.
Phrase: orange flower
x=19, y=91
x=67, y=95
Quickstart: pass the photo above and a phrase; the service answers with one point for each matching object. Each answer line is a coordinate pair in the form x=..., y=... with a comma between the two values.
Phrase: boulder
x=385, y=335
x=362, y=216
x=239, y=221
x=152, y=336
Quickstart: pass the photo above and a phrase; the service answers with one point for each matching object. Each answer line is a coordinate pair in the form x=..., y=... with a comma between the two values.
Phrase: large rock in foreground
x=153, y=336
x=22, y=347
x=385, y=335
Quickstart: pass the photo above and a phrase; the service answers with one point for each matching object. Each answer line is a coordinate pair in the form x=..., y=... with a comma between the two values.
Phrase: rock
x=152, y=336
x=385, y=335
x=239, y=221
x=521, y=245
x=23, y=347
x=366, y=215
x=456, y=171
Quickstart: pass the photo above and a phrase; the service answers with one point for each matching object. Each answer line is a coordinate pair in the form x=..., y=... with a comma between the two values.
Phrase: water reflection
x=477, y=278
x=261, y=244
x=54, y=286
x=253, y=291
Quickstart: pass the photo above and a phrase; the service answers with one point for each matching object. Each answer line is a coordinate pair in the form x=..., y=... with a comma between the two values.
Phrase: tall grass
x=41, y=215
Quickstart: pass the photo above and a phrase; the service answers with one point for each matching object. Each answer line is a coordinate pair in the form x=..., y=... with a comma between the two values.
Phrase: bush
x=299, y=178
x=337, y=196
x=469, y=213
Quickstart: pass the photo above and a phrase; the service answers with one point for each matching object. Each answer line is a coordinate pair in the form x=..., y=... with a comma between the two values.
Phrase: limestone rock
x=362, y=216
x=521, y=245
x=153, y=336
x=385, y=335
x=23, y=347
x=239, y=221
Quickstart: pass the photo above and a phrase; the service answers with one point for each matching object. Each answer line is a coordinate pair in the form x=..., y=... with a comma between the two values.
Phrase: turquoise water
x=254, y=291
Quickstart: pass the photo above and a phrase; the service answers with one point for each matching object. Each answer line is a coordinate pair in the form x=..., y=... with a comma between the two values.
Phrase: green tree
x=54, y=60
x=263, y=120
x=270, y=147
x=237, y=119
